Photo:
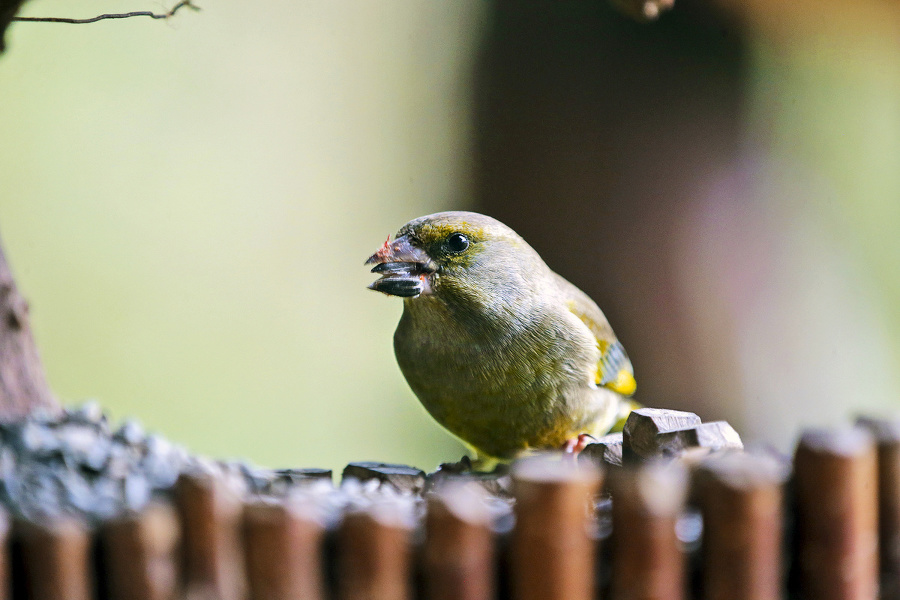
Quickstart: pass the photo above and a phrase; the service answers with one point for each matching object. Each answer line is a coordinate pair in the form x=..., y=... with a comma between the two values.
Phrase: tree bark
x=23, y=383
x=8, y=9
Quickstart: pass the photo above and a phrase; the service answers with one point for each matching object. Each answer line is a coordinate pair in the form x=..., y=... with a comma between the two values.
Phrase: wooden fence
x=731, y=525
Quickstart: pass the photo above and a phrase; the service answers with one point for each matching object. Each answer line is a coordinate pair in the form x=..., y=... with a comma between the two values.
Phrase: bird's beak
x=405, y=269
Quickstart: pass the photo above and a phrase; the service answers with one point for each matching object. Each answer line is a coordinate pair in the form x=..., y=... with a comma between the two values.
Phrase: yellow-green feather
x=614, y=370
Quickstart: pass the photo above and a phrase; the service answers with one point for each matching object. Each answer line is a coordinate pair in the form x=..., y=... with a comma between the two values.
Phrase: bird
x=503, y=352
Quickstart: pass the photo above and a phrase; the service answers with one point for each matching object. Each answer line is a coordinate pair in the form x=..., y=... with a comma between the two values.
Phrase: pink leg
x=575, y=445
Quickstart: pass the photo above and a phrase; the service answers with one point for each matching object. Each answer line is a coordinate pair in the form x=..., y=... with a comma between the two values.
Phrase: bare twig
x=139, y=13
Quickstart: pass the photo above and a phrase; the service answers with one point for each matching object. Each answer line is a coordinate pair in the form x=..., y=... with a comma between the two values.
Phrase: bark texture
x=23, y=384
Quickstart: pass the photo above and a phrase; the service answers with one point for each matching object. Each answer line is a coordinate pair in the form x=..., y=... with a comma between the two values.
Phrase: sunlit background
x=187, y=204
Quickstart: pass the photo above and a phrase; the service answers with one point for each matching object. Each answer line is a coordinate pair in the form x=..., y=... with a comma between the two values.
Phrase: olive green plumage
x=503, y=352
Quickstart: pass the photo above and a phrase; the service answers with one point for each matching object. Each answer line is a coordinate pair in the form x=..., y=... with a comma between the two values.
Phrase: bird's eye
x=457, y=242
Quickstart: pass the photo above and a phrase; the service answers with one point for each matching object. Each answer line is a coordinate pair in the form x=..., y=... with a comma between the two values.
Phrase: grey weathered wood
x=716, y=435
x=402, y=477
x=641, y=431
x=606, y=451
x=493, y=483
x=286, y=480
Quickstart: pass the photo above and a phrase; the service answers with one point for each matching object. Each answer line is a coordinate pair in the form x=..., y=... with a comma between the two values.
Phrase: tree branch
x=139, y=13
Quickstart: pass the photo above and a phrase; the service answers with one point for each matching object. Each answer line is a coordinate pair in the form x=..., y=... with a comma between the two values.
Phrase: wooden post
x=374, y=555
x=141, y=554
x=57, y=558
x=887, y=437
x=640, y=437
x=741, y=496
x=211, y=525
x=552, y=556
x=837, y=503
x=648, y=562
x=23, y=384
x=459, y=545
x=283, y=550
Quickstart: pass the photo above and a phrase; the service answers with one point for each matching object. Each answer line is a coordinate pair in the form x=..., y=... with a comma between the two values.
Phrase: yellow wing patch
x=614, y=369
x=624, y=383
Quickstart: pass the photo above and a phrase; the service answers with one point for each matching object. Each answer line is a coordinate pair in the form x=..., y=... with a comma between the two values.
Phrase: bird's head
x=450, y=252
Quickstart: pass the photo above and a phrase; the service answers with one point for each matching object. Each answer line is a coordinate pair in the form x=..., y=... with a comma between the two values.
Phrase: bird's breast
x=488, y=382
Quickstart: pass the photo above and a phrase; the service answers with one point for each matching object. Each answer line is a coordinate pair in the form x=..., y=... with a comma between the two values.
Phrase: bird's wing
x=614, y=369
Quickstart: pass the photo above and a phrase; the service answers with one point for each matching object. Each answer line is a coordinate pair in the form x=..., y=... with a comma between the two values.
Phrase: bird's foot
x=575, y=445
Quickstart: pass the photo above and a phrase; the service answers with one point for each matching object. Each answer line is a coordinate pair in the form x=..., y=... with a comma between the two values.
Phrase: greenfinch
x=504, y=353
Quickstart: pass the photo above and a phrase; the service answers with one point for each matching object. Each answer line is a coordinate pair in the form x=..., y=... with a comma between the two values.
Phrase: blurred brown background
x=595, y=135
x=187, y=204
x=723, y=183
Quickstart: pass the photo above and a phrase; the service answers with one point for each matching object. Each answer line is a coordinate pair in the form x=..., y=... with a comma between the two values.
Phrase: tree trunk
x=23, y=384
x=8, y=9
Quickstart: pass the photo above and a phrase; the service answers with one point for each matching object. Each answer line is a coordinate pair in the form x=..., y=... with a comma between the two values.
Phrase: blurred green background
x=187, y=204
